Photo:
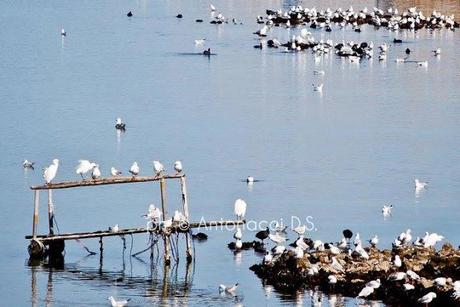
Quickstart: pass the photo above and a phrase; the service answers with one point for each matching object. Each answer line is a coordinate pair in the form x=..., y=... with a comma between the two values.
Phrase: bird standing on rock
x=263, y=234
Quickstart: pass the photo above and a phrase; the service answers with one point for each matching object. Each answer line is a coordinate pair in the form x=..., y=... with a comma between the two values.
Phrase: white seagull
x=63, y=32
x=238, y=234
x=386, y=210
x=240, y=208
x=228, y=289
x=154, y=213
x=116, y=303
x=96, y=173
x=278, y=239
x=427, y=298
x=374, y=241
x=114, y=172
x=114, y=228
x=374, y=284
x=178, y=166
x=83, y=167
x=318, y=88
x=50, y=172
x=437, y=51
x=250, y=180
x=420, y=185
x=200, y=41
x=28, y=164
x=300, y=230
x=366, y=291
x=212, y=7
x=134, y=170
x=158, y=167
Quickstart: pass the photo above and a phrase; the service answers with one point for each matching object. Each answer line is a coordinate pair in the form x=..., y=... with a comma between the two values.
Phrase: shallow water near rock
x=337, y=157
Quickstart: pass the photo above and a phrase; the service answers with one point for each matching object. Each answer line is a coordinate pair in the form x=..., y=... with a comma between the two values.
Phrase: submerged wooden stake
x=50, y=212
x=188, y=239
x=35, y=218
x=167, y=255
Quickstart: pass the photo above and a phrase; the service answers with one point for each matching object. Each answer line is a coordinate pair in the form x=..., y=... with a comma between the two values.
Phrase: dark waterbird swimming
x=200, y=236
x=179, y=16
x=397, y=41
x=130, y=14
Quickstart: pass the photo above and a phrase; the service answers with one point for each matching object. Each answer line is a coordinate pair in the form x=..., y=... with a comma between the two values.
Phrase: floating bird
x=120, y=125
x=179, y=16
x=420, y=185
x=386, y=210
x=240, y=208
x=178, y=166
x=50, y=172
x=200, y=236
x=263, y=234
x=250, y=179
x=319, y=72
x=158, y=168
x=130, y=14
x=366, y=291
x=114, y=228
x=374, y=241
x=397, y=41
x=427, y=298
x=437, y=51
x=114, y=172
x=262, y=32
x=96, y=172
x=318, y=88
x=83, y=167
x=28, y=164
x=207, y=52
x=116, y=303
x=63, y=32
x=238, y=234
x=134, y=170
x=200, y=41
x=407, y=51
x=422, y=63
x=228, y=289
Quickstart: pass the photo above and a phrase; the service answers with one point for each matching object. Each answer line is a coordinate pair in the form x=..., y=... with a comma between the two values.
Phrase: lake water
x=337, y=157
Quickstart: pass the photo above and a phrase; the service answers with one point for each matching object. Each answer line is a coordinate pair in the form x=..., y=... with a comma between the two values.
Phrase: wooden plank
x=35, y=218
x=165, y=216
x=50, y=212
x=106, y=233
x=102, y=181
x=188, y=239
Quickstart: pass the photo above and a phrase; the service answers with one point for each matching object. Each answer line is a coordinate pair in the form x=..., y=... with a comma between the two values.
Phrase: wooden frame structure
x=36, y=247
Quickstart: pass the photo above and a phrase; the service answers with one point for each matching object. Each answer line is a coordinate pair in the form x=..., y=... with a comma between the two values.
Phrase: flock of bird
x=411, y=19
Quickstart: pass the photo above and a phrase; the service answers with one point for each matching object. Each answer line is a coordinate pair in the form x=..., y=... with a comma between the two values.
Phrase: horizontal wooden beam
x=103, y=181
x=121, y=232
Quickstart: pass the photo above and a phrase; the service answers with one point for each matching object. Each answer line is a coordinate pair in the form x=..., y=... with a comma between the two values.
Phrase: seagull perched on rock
x=397, y=261
x=366, y=291
x=114, y=172
x=115, y=303
x=276, y=238
x=408, y=287
x=427, y=298
x=134, y=170
x=50, y=172
x=240, y=208
x=300, y=230
x=158, y=167
x=332, y=279
x=397, y=276
x=27, y=164
x=374, y=241
x=178, y=166
x=412, y=275
x=374, y=284
x=263, y=234
x=336, y=265
x=83, y=167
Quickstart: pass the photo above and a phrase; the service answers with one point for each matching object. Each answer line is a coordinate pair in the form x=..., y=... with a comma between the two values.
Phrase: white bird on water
x=50, y=172
x=250, y=180
x=200, y=41
x=228, y=289
x=115, y=303
x=83, y=167
x=427, y=298
x=178, y=166
x=437, y=51
x=63, y=32
x=318, y=88
x=386, y=210
x=240, y=208
x=319, y=72
x=96, y=173
x=114, y=172
x=28, y=164
x=420, y=185
x=134, y=170
x=158, y=167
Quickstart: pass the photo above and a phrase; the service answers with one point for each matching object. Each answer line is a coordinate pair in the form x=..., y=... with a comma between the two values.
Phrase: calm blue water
x=337, y=157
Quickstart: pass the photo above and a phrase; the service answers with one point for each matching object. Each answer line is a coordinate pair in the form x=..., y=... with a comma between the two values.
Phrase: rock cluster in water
x=410, y=19
x=422, y=270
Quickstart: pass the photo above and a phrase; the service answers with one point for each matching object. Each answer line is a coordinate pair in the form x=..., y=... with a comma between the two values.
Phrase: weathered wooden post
x=188, y=239
x=35, y=218
x=50, y=212
x=167, y=256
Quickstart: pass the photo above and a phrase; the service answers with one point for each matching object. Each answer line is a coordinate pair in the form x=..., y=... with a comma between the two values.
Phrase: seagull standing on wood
x=96, y=173
x=134, y=170
x=50, y=172
x=83, y=167
x=178, y=166
x=240, y=209
x=158, y=167
x=114, y=172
